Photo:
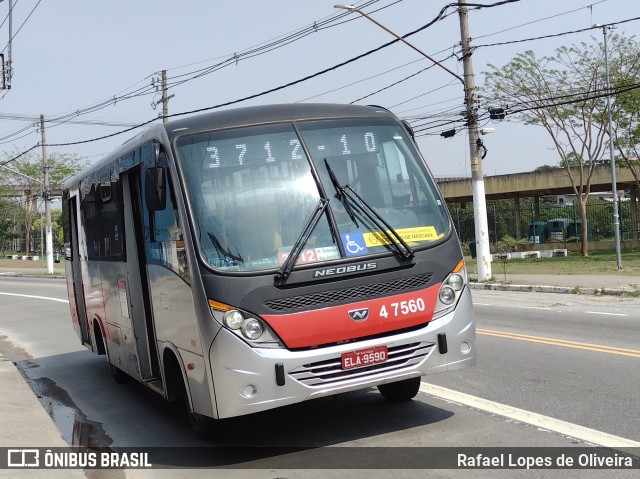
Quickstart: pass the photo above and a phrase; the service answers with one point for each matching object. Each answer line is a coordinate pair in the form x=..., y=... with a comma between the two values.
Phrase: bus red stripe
x=328, y=325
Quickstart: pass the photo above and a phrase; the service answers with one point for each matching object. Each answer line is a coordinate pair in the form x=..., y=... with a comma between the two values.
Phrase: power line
x=22, y=25
x=394, y=83
x=149, y=89
x=361, y=80
x=540, y=20
x=553, y=35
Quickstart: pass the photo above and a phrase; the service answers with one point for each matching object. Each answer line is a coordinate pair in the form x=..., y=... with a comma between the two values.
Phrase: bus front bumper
x=245, y=378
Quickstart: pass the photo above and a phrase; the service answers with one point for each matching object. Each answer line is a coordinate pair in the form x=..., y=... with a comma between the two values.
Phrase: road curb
x=530, y=288
x=26, y=423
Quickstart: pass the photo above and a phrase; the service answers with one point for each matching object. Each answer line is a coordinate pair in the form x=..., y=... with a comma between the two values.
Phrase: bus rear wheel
x=400, y=390
x=118, y=374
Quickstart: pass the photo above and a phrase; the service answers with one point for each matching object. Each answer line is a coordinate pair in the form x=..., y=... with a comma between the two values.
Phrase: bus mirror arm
x=154, y=189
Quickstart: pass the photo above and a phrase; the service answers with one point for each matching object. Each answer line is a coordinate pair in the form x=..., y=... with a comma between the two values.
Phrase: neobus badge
x=359, y=314
x=352, y=268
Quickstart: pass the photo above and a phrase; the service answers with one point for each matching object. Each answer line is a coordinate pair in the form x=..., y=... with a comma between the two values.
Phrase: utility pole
x=614, y=187
x=477, y=179
x=47, y=200
x=165, y=99
x=6, y=66
x=475, y=144
x=9, y=72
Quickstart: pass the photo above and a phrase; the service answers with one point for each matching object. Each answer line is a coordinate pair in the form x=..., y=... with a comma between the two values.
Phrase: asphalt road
x=571, y=357
x=591, y=388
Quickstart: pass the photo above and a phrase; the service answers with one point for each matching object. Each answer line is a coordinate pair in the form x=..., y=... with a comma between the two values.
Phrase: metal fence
x=559, y=222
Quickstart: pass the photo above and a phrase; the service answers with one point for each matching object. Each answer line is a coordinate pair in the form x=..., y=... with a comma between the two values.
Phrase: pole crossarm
x=351, y=8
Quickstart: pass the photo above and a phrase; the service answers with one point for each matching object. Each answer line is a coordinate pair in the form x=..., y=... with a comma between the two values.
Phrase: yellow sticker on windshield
x=410, y=235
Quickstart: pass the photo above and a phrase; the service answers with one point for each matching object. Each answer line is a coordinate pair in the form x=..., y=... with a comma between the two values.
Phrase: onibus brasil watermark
x=39, y=458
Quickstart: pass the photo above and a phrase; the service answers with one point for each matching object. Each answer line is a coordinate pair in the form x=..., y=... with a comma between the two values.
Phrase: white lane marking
x=47, y=284
x=543, y=308
x=606, y=314
x=545, y=422
x=36, y=297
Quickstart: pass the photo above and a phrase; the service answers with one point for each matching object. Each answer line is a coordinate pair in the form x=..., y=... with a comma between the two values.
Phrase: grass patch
x=598, y=262
x=20, y=264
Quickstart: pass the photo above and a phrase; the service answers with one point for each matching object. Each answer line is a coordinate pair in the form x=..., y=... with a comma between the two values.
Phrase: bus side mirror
x=155, y=192
x=409, y=129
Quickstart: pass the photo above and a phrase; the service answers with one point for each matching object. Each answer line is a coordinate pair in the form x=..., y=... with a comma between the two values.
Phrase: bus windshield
x=252, y=190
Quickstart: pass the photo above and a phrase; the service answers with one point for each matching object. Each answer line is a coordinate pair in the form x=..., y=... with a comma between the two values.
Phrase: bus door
x=169, y=281
x=136, y=281
x=74, y=273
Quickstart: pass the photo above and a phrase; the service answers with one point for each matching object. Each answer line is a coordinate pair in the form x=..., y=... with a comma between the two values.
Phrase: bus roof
x=271, y=113
x=236, y=117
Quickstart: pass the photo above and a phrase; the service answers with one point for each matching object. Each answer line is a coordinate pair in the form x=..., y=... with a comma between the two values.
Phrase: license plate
x=364, y=357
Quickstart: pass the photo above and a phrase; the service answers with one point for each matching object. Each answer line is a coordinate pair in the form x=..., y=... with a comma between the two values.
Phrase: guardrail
x=23, y=257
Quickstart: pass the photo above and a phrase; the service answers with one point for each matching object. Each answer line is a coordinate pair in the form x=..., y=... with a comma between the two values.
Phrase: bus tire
x=118, y=374
x=404, y=390
x=202, y=426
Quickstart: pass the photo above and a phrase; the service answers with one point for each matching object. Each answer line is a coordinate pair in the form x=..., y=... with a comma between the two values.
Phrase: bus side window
x=167, y=234
x=167, y=225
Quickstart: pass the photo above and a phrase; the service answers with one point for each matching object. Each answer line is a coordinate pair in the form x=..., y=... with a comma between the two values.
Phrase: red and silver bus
x=248, y=259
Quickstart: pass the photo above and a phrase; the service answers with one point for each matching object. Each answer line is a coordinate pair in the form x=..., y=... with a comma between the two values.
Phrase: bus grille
x=330, y=372
x=346, y=295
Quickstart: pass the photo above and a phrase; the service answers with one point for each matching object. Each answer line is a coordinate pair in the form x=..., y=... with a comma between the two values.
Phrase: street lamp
x=614, y=187
x=475, y=143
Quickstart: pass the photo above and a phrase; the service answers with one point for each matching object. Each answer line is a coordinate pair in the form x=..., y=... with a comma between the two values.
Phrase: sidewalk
x=25, y=423
x=609, y=284
x=31, y=270
x=552, y=283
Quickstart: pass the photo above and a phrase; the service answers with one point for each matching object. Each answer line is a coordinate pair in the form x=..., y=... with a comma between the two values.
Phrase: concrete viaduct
x=537, y=184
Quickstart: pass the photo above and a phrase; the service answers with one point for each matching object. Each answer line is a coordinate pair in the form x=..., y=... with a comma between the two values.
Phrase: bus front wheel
x=202, y=426
x=400, y=390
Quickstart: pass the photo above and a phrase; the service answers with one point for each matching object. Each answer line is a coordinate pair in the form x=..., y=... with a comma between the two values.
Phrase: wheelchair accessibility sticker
x=353, y=243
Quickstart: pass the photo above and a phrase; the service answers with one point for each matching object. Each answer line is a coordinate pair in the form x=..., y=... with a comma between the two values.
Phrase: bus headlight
x=447, y=295
x=252, y=329
x=450, y=291
x=233, y=319
x=456, y=282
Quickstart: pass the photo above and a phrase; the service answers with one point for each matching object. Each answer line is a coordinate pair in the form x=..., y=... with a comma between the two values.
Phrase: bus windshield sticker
x=310, y=255
x=410, y=235
x=353, y=243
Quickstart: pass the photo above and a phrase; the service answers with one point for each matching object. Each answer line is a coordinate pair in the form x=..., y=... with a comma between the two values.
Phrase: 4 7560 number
x=402, y=308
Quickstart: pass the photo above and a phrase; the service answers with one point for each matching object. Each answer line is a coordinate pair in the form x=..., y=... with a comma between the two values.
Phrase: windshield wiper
x=340, y=195
x=296, y=249
x=344, y=193
x=227, y=255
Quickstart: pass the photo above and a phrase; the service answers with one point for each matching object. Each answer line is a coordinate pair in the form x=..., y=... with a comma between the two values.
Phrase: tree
x=56, y=227
x=563, y=93
x=21, y=182
x=544, y=168
x=508, y=244
x=7, y=231
x=626, y=116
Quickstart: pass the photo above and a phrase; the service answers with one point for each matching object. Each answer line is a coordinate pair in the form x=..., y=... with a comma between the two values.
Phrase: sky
x=71, y=55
